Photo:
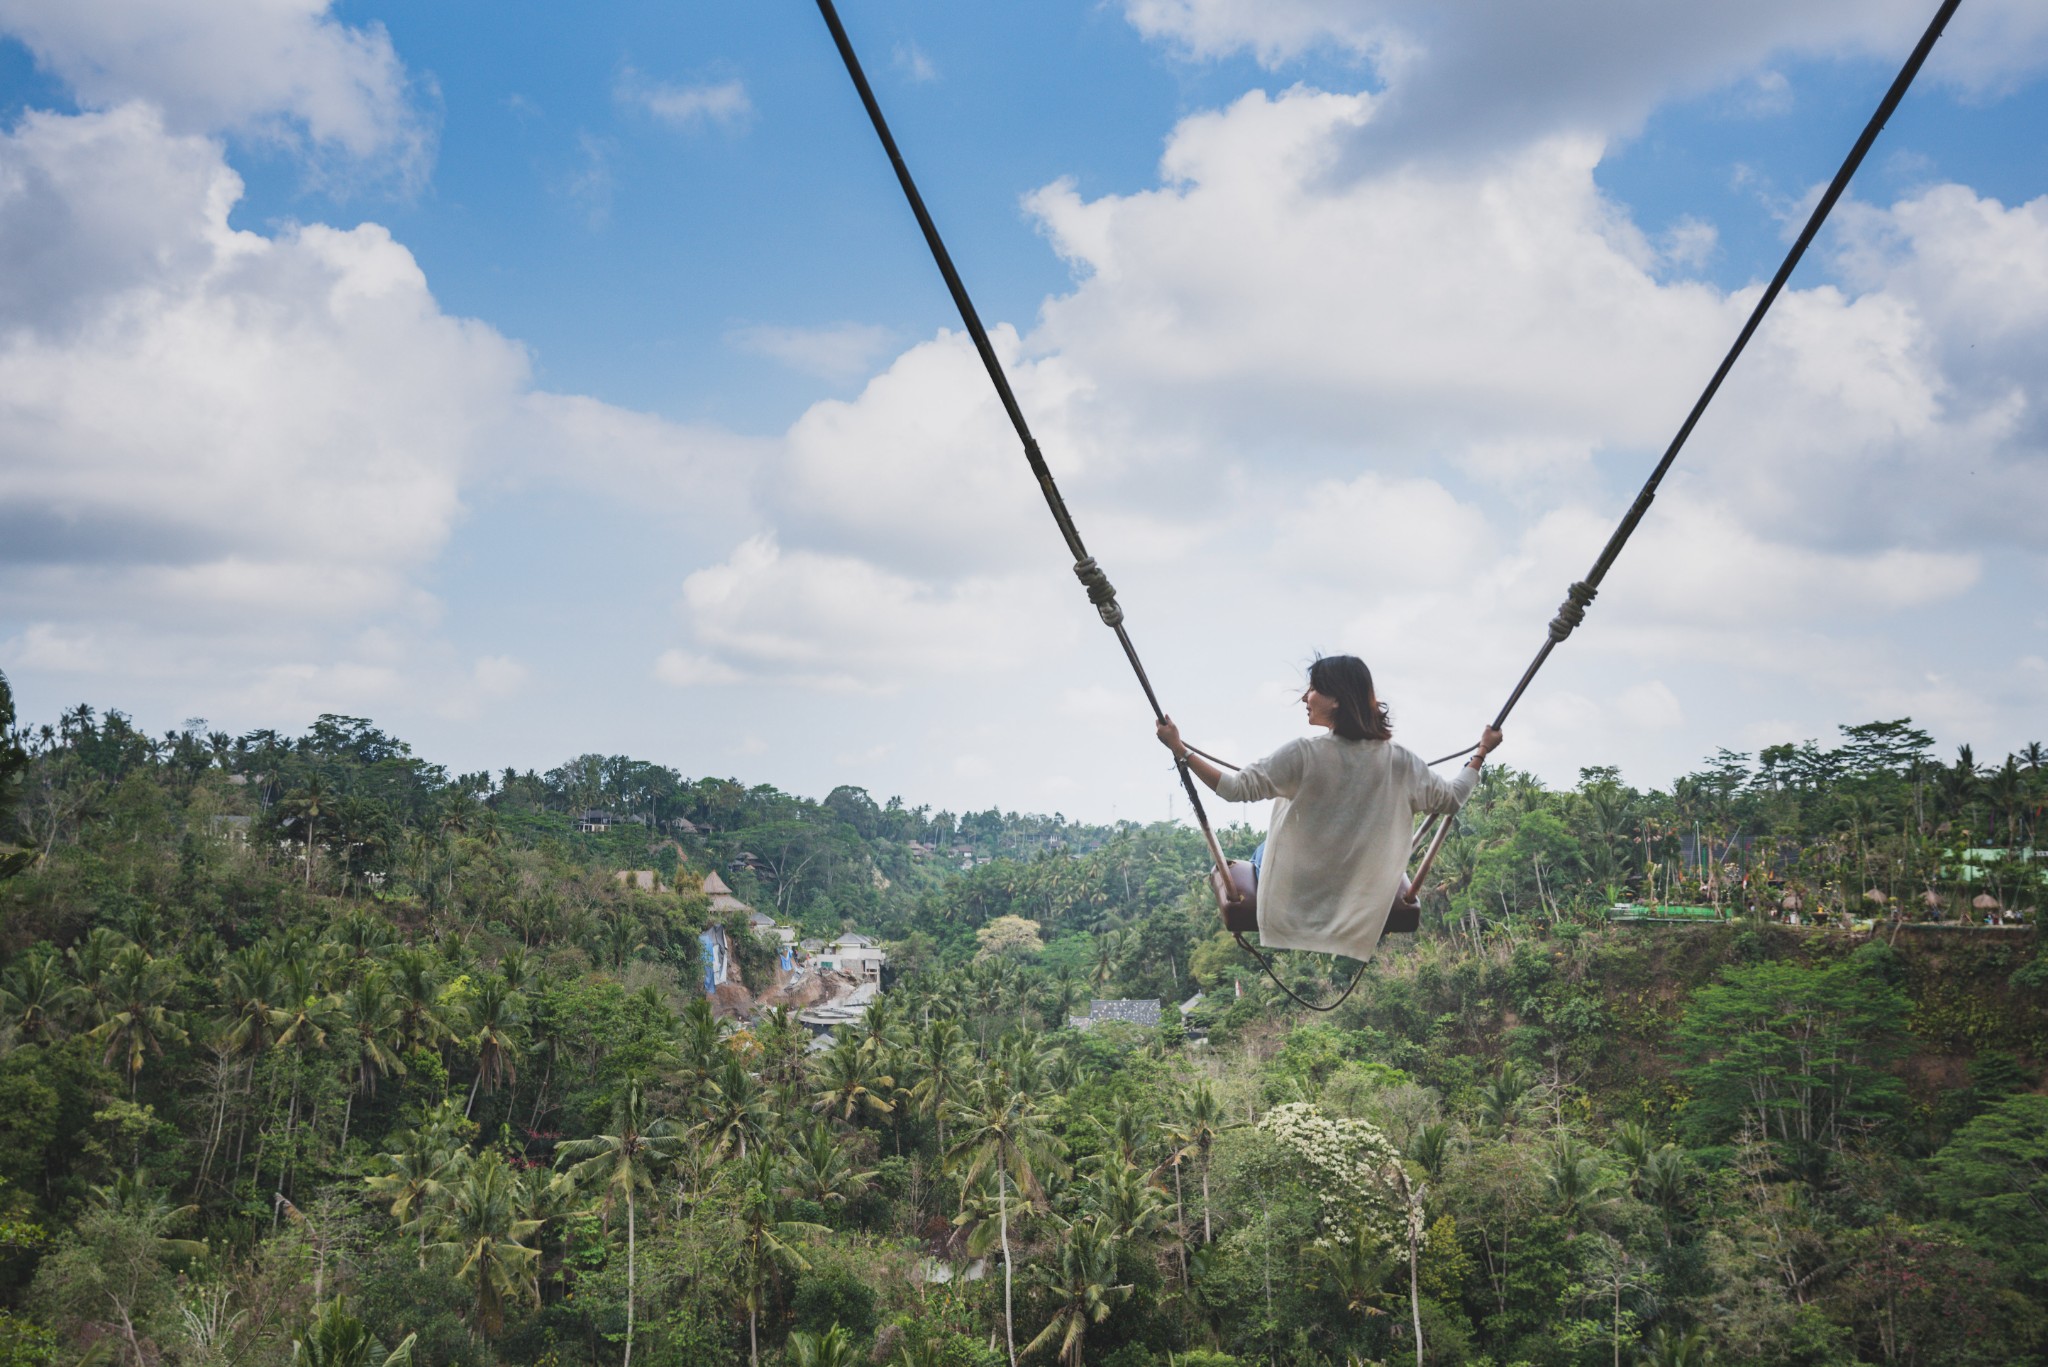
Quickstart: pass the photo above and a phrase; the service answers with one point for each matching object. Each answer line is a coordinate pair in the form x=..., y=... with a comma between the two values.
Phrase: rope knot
x=1100, y=591
x=1573, y=610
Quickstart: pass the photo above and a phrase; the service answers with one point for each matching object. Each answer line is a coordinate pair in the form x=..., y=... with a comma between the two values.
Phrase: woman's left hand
x=1489, y=741
x=1169, y=736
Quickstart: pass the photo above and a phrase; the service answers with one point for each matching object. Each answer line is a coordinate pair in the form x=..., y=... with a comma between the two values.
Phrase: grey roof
x=1131, y=1010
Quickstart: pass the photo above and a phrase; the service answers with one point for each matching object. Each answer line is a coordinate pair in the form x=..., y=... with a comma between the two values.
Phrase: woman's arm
x=1169, y=736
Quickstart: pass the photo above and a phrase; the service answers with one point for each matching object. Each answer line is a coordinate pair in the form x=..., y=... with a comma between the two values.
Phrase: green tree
x=484, y=1239
x=136, y=1020
x=1994, y=1174
x=1082, y=1285
x=1007, y=1130
x=1796, y=1053
x=336, y=1338
x=620, y=1166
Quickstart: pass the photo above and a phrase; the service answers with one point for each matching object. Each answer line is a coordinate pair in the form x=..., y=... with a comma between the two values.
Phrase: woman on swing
x=1335, y=857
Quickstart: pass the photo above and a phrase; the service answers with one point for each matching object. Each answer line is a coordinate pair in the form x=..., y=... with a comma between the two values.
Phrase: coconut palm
x=736, y=1113
x=851, y=1084
x=484, y=1239
x=416, y=982
x=833, y=1348
x=940, y=1059
x=136, y=1020
x=620, y=1166
x=1665, y=1348
x=417, y=1174
x=1007, y=1130
x=767, y=1241
x=1082, y=1284
x=1197, y=1120
x=36, y=995
x=492, y=1017
x=368, y=1019
x=338, y=1339
x=818, y=1169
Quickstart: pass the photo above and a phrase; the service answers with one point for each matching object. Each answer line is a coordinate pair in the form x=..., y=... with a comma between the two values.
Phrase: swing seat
x=1405, y=918
x=1239, y=902
x=1238, y=899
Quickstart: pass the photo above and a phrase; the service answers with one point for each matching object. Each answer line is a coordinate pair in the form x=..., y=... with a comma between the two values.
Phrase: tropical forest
x=313, y=1052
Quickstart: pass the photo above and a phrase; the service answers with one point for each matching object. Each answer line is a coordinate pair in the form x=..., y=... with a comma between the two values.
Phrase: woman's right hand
x=1489, y=740
x=1169, y=736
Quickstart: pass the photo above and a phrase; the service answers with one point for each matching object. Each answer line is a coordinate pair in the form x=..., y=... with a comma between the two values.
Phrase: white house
x=854, y=955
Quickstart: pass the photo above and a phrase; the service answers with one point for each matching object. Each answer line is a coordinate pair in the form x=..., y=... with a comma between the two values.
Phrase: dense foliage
x=311, y=1049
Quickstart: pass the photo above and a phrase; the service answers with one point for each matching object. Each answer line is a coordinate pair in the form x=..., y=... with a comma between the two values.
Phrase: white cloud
x=228, y=460
x=842, y=624
x=723, y=103
x=840, y=351
x=1398, y=413
x=1470, y=76
x=274, y=69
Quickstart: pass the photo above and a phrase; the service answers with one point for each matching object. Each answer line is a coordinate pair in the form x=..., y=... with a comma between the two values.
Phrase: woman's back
x=1343, y=815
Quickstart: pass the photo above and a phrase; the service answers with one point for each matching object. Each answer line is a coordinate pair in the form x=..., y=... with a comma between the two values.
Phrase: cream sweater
x=1337, y=850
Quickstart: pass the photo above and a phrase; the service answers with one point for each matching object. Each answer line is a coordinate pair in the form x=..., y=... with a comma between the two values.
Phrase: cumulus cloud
x=1399, y=413
x=286, y=70
x=843, y=624
x=223, y=454
x=1466, y=76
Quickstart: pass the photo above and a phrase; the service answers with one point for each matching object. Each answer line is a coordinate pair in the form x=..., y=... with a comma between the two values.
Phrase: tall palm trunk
x=1208, y=1232
x=1003, y=1221
x=630, y=1254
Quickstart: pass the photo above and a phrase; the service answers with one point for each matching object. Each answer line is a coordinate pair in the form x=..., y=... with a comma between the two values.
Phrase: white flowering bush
x=1351, y=1168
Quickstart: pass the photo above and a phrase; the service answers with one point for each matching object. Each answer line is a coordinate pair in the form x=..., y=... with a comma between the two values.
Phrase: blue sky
x=1351, y=323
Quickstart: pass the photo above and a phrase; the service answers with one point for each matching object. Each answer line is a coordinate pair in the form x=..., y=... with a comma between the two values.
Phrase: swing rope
x=1570, y=614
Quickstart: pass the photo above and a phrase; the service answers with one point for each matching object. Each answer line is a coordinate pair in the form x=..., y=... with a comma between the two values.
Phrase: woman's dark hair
x=1360, y=713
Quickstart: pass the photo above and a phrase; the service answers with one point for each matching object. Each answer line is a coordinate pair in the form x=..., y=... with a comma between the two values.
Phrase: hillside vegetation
x=313, y=1052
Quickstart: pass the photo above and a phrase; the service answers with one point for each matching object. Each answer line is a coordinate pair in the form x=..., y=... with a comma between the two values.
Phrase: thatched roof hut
x=1984, y=901
x=1875, y=897
x=1931, y=900
x=1792, y=902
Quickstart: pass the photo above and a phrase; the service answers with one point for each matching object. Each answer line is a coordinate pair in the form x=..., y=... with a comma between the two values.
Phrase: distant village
x=827, y=983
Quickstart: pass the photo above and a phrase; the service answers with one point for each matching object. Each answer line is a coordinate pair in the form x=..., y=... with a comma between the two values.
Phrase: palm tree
x=493, y=1016
x=1192, y=1131
x=1359, y=1264
x=416, y=981
x=483, y=1235
x=819, y=1169
x=940, y=1057
x=338, y=1339
x=1083, y=1287
x=833, y=1348
x=417, y=1175
x=1580, y=1189
x=368, y=1018
x=308, y=808
x=1007, y=1130
x=852, y=1085
x=767, y=1241
x=36, y=995
x=136, y=1020
x=785, y=1046
x=735, y=1112
x=621, y=1165
x=1664, y=1348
